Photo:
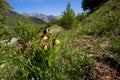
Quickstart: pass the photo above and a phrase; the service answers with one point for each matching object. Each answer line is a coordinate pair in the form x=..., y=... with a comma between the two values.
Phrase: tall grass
x=62, y=61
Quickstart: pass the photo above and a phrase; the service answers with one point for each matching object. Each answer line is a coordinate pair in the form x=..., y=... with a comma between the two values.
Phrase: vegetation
x=68, y=19
x=91, y=4
x=52, y=52
x=82, y=16
x=16, y=17
x=4, y=6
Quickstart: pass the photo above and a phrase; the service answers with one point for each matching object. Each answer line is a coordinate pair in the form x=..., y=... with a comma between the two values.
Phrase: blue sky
x=47, y=7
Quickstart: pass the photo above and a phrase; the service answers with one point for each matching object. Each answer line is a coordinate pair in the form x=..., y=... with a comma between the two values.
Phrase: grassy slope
x=13, y=17
x=102, y=24
x=98, y=36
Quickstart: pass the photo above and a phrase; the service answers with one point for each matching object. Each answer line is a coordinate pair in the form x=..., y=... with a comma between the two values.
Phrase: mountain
x=14, y=16
x=45, y=18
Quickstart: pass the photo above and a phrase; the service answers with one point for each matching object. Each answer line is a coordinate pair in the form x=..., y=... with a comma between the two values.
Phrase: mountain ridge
x=45, y=18
x=15, y=16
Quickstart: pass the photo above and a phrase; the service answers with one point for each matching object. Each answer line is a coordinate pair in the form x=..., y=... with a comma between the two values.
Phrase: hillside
x=98, y=36
x=88, y=51
x=15, y=16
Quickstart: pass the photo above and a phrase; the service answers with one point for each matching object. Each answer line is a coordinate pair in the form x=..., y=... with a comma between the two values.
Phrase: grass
x=51, y=64
x=74, y=58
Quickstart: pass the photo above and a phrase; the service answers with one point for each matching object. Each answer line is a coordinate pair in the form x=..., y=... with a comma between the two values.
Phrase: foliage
x=75, y=65
x=103, y=27
x=115, y=45
x=35, y=62
x=36, y=57
x=9, y=61
x=4, y=7
x=91, y=4
x=81, y=17
x=5, y=32
x=25, y=31
x=68, y=19
x=53, y=22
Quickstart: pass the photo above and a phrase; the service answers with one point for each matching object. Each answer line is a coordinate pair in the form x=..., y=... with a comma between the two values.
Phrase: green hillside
x=13, y=17
x=98, y=36
x=89, y=50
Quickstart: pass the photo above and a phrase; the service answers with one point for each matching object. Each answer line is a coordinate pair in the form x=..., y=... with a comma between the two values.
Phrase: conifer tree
x=68, y=19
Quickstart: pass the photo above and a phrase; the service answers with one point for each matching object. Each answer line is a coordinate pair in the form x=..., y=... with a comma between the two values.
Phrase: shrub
x=25, y=32
x=81, y=16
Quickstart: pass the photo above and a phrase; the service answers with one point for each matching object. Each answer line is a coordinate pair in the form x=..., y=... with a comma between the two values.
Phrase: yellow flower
x=57, y=42
x=45, y=37
x=45, y=47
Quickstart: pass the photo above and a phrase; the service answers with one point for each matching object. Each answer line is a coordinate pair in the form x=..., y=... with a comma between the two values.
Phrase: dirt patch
x=106, y=69
x=88, y=42
x=85, y=42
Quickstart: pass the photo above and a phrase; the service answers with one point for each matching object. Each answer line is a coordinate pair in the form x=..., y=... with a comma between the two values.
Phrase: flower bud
x=45, y=31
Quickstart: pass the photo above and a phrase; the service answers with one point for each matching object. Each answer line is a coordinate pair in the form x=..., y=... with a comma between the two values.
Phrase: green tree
x=4, y=7
x=91, y=4
x=68, y=19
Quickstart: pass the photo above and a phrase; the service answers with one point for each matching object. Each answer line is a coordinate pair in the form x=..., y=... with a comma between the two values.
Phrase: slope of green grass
x=74, y=58
x=98, y=35
x=13, y=17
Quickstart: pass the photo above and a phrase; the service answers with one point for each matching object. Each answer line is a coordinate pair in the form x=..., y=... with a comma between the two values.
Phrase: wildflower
x=20, y=47
x=45, y=47
x=28, y=44
x=45, y=31
x=45, y=37
x=56, y=42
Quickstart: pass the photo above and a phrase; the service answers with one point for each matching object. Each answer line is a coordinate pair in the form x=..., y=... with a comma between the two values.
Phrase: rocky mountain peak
x=45, y=18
